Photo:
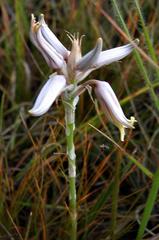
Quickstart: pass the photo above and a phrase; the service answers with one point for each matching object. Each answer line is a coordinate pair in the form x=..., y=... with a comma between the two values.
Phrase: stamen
x=132, y=121
x=80, y=40
x=33, y=19
x=122, y=133
x=70, y=36
x=75, y=36
x=34, y=24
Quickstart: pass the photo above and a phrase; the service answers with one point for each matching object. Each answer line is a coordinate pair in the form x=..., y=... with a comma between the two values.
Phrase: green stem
x=70, y=104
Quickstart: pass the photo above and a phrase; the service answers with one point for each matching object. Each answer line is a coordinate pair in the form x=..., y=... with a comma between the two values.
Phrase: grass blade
x=139, y=61
x=146, y=34
x=131, y=158
x=115, y=194
x=149, y=205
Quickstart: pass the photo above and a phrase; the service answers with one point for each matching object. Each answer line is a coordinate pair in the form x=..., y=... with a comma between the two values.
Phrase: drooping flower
x=112, y=108
x=72, y=68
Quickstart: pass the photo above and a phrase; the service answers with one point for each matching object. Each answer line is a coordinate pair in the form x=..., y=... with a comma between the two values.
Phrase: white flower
x=72, y=68
x=112, y=108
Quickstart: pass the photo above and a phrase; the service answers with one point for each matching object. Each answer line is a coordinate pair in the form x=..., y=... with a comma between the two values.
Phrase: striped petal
x=112, y=108
x=49, y=92
x=88, y=61
x=53, y=58
x=52, y=39
x=56, y=59
x=33, y=38
x=115, y=54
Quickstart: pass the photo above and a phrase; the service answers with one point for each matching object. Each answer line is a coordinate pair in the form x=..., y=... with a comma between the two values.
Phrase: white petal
x=52, y=39
x=115, y=54
x=112, y=108
x=49, y=92
x=91, y=57
x=82, y=75
x=55, y=57
x=33, y=38
x=111, y=103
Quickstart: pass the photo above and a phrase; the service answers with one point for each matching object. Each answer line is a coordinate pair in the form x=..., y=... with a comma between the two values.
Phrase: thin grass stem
x=115, y=194
x=149, y=205
x=147, y=36
x=139, y=61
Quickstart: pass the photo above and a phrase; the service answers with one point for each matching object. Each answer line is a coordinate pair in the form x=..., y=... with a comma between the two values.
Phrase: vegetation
x=117, y=183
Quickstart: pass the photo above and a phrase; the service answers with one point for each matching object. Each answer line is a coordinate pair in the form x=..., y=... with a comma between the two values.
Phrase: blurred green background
x=117, y=183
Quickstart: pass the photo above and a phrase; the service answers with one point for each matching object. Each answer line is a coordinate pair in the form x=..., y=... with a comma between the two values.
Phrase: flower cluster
x=72, y=68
